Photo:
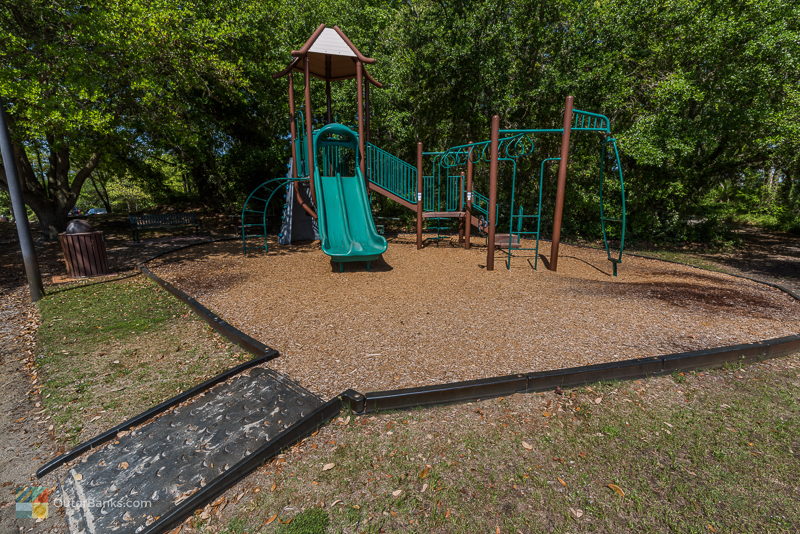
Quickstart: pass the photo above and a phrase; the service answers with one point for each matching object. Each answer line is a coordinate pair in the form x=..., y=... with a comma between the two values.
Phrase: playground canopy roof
x=332, y=56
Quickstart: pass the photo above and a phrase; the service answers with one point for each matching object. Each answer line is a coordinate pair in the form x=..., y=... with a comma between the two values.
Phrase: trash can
x=84, y=250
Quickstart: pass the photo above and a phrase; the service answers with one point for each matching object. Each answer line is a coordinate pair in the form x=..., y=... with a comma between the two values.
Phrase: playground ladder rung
x=254, y=211
x=442, y=214
x=259, y=198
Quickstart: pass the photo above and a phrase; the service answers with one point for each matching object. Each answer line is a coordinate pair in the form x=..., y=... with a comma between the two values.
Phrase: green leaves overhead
x=701, y=93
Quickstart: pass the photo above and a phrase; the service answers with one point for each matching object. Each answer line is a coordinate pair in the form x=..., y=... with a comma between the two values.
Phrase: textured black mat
x=140, y=476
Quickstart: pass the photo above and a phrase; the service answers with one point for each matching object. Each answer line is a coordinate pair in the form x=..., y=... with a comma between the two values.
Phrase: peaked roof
x=331, y=56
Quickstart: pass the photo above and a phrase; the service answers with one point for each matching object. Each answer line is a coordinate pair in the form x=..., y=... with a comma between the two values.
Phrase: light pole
x=20, y=214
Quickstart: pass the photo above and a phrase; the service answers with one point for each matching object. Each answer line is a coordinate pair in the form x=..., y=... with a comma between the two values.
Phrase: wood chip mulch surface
x=437, y=315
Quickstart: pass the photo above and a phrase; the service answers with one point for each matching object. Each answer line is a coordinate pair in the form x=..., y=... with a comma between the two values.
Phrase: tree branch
x=84, y=173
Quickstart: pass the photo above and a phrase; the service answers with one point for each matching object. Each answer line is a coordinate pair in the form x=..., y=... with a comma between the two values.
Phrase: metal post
x=562, y=184
x=367, y=112
x=329, y=114
x=468, y=212
x=492, y=192
x=461, y=207
x=309, y=131
x=20, y=214
x=362, y=162
x=420, y=203
x=292, y=128
x=293, y=134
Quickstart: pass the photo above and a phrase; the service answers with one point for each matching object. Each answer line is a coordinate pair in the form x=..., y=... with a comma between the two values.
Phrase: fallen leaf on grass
x=424, y=487
x=561, y=481
x=425, y=471
x=617, y=490
x=447, y=514
x=711, y=528
x=274, y=487
x=577, y=512
x=328, y=467
x=598, y=400
x=272, y=518
x=527, y=445
x=546, y=414
x=396, y=493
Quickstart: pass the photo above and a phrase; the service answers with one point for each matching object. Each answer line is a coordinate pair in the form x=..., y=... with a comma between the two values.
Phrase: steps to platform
x=145, y=473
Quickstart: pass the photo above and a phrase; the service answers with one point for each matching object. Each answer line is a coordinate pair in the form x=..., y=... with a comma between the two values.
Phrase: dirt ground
x=436, y=315
x=25, y=431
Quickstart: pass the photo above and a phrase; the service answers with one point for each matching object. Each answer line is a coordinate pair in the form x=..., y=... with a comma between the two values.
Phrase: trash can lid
x=78, y=226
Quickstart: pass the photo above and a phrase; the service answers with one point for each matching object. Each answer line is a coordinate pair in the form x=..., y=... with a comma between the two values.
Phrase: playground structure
x=341, y=161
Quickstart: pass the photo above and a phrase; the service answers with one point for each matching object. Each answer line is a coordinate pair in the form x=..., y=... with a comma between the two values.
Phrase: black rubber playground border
x=446, y=393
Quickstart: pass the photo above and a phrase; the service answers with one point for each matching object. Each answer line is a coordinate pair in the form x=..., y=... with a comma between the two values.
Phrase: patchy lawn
x=704, y=452
x=108, y=351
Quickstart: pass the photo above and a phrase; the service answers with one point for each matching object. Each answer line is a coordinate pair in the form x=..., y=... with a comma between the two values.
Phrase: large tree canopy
x=705, y=96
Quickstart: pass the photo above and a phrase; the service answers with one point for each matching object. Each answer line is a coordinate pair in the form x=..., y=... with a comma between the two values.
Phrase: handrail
x=391, y=173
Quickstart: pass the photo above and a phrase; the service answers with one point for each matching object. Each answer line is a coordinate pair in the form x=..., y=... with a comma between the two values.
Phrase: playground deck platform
x=431, y=316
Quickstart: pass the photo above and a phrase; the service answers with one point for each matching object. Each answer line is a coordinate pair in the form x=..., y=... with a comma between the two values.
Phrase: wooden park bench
x=162, y=221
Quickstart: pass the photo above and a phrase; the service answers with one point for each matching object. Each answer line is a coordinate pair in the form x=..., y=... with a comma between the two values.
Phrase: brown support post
x=292, y=128
x=293, y=134
x=329, y=114
x=468, y=211
x=419, y=195
x=309, y=131
x=461, y=207
x=492, y=192
x=362, y=162
x=562, y=184
x=367, y=112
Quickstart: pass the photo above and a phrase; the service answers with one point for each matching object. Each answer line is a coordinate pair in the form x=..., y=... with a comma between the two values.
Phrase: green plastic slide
x=346, y=227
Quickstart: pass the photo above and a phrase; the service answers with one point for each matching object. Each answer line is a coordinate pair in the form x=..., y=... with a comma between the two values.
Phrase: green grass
x=715, y=452
x=107, y=351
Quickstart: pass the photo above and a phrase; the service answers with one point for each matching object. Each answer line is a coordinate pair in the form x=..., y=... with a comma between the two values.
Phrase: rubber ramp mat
x=141, y=475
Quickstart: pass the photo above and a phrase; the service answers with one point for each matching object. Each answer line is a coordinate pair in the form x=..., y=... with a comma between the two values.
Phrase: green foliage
x=704, y=96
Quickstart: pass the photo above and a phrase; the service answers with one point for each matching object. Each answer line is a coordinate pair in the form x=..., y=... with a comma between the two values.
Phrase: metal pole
x=20, y=213
x=420, y=204
x=329, y=115
x=367, y=112
x=309, y=131
x=292, y=129
x=492, y=192
x=461, y=207
x=468, y=214
x=295, y=163
x=362, y=162
x=562, y=184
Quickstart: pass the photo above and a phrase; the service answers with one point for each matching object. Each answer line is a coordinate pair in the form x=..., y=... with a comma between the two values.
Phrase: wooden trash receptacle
x=84, y=254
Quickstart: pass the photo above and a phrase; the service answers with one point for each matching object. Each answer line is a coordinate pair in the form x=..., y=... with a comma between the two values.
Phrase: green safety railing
x=586, y=121
x=391, y=173
x=618, y=219
x=254, y=211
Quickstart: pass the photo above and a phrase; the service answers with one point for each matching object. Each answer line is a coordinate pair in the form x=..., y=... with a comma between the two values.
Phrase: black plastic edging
x=223, y=328
x=576, y=376
x=301, y=429
x=149, y=414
